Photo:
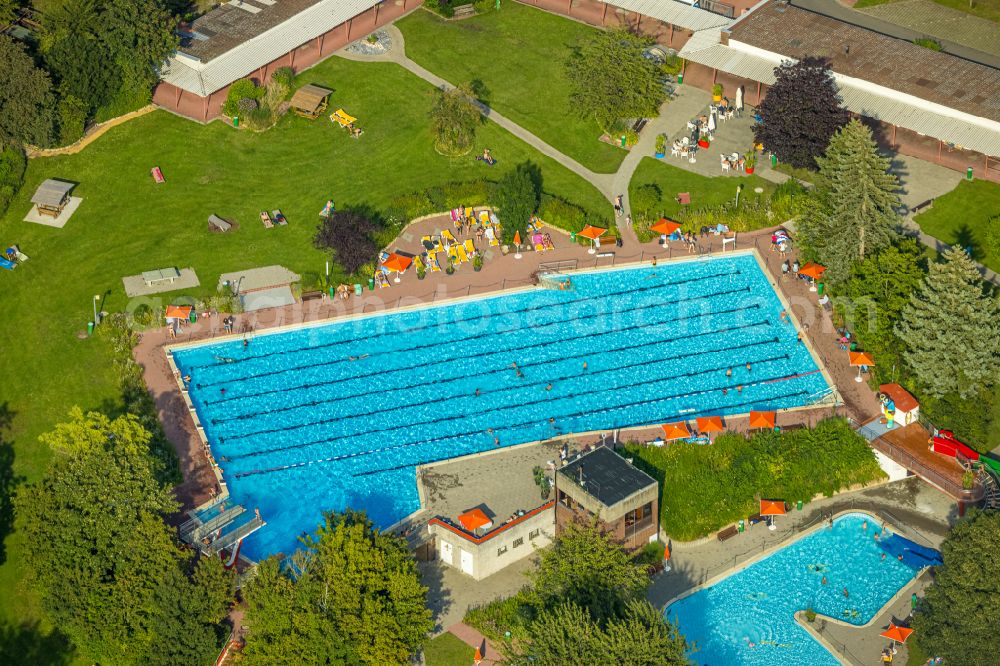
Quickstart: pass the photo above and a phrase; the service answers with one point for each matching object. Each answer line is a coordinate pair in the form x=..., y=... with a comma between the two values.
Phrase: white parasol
x=739, y=98
x=711, y=122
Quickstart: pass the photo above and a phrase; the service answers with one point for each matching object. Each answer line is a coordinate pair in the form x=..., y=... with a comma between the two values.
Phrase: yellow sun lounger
x=418, y=263
x=447, y=235
x=435, y=241
x=453, y=251
x=460, y=252
x=468, y=212
x=432, y=260
x=470, y=247
x=342, y=118
x=484, y=217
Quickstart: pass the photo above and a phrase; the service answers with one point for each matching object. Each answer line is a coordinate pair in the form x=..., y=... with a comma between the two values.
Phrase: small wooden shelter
x=51, y=197
x=309, y=101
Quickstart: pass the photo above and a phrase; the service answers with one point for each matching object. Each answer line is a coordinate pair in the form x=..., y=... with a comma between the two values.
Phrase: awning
x=474, y=519
x=678, y=430
x=591, y=232
x=814, y=271
x=665, y=226
x=772, y=507
x=762, y=419
x=707, y=424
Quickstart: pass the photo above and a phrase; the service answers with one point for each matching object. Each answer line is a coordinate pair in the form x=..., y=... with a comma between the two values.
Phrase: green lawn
x=960, y=217
x=987, y=9
x=518, y=56
x=704, y=191
x=128, y=224
x=447, y=650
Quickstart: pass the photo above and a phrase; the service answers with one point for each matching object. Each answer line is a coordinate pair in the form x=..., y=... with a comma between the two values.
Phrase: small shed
x=52, y=196
x=309, y=101
x=907, y=409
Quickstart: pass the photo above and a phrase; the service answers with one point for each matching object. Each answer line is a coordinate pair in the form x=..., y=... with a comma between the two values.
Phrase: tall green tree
x=611, y=80
x=454, y=119
x=516, y=198
x=857, y=216
x=874, y=297
x=801, y=112
x=26, y=99
x=99, y=550
x=957, y=619
x=353, y=596
x=589, y=568
x=566, y=635
x=951, y=330
x=77, y=54
x=140, y=36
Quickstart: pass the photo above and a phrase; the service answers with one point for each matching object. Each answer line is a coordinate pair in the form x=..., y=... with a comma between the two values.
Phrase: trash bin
x=236, y=121
x=331, y=293
x=968, y=173
x=357, y=289
x=741, y=527
x=774, y=160
x=680, y=78
x=572, y=236
x=623, y=145
x=854, y=346
x=193, y=317
x=90, y=328
x=371, y=284
x=798, y=505
x=819, y=288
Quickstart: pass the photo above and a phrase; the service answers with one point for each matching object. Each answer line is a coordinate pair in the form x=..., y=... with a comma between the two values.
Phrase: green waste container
x=968, y=173
x=819, y=288
x=357, y=289
x=236, y=121
x=798, y=505
x=741, y=527
x=774, y=160
x=572, y=236
x=90, y=328
x=331, y=293
x=623, y=145
x=371, y=284
x=854, y=346
x=680, y=79
x=193, y=317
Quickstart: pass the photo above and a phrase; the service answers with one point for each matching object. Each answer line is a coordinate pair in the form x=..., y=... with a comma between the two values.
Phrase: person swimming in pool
x=823, y=581
x=729, y=372
x=357, y=358
x=548, y=387
x=864, y=525
x=847, y=595
x=478, y=393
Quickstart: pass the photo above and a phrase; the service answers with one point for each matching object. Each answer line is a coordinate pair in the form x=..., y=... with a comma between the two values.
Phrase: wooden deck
x=908, y=446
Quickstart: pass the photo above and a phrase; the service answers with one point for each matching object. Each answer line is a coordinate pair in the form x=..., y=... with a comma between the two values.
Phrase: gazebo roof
x=52, y=193
x=309, y=97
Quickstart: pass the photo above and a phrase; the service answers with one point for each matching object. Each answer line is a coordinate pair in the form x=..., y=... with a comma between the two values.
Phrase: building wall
x=602, y=15
x=498, y=552
x=610, y=519
x=302, y=57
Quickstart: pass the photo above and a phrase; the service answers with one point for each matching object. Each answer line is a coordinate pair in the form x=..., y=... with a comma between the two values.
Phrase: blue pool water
x=758, y=604
x=301, y=428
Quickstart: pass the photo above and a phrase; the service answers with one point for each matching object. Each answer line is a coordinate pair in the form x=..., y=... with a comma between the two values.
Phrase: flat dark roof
x=607, y=476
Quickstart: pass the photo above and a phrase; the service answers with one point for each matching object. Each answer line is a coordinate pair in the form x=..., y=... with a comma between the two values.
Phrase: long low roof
x=203, y=78
x=676, y=13
x=862, y=97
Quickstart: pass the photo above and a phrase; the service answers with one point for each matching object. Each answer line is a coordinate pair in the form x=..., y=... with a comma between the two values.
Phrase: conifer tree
x=951, y=329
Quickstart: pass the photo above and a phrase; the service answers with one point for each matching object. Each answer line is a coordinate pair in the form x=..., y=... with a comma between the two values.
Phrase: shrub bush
x=705, y=488
x=72, y=119
x=562, y=214
x=513, y=614
x=240, y=89
x=646, y=201
x=284, y=76
x=12, y=166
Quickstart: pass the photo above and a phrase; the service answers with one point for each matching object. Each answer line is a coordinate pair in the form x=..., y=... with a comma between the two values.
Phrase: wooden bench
x=464, y=11
x=639, y=124
x=728, y=533
x=311, y=295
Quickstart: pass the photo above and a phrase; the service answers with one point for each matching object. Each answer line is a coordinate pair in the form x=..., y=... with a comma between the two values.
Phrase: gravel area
x=382, y=44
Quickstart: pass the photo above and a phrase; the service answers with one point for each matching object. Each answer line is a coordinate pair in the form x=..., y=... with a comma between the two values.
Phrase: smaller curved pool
x=748, y=617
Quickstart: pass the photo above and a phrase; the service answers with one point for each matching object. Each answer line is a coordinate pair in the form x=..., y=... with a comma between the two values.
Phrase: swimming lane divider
x=536, y=308
x=356, y=454
x=481, y=336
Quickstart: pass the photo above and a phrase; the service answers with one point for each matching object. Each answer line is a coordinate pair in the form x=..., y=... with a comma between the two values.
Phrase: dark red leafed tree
x=348, y=234
x=801, y=112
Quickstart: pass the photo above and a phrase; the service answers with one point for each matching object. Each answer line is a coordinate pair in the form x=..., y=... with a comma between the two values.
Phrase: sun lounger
x=448, y=236
x=470, y=248
x=381, y=281
x=460, y=252
x=491, y=235
x=157, y=175
x=453, y=252
x=279, y=217
x=342, y=118
x=8, y=264
x=327, y=209
x=14, y=254
x=418, y=263
x=266, y=219
x=469, y=213
x=432, y=261
x=484, y=217
x=456, y=214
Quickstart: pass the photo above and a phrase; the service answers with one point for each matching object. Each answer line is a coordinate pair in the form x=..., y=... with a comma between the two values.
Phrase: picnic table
x=160, y=276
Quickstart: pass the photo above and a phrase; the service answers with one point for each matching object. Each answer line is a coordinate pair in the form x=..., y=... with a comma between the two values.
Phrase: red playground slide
x=946, y=444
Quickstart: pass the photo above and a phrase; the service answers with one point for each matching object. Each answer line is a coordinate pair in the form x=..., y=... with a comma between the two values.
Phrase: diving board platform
x=219, y=525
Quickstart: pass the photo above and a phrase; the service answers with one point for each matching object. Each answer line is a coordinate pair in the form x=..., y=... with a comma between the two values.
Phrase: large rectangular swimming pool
x=338, y=415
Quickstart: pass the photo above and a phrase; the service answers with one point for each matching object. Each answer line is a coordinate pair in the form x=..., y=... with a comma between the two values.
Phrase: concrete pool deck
x=499, y=274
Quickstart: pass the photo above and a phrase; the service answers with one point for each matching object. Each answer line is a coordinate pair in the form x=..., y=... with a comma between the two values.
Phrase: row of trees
x=93, y=58
x=931, y=326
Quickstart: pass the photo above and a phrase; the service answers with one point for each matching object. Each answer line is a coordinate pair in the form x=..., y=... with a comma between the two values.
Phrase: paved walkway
x=487, y=649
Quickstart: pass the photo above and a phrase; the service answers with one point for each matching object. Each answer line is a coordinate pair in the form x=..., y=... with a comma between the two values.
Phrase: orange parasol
x=665, y=226
x=676, y=430
x=707, y=424
x=860, y=359
x=397, y=262
x=772, y=507
x=812, y=270
x=517, y=237
x=474, y=519
x=477, y=658
x=897, y=634
x=178, y=311
x=762, y=419
x=593, y=233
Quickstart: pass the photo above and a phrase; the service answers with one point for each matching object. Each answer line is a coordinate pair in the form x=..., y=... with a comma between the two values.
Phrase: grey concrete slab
x=55, y=222
x=135, y=285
